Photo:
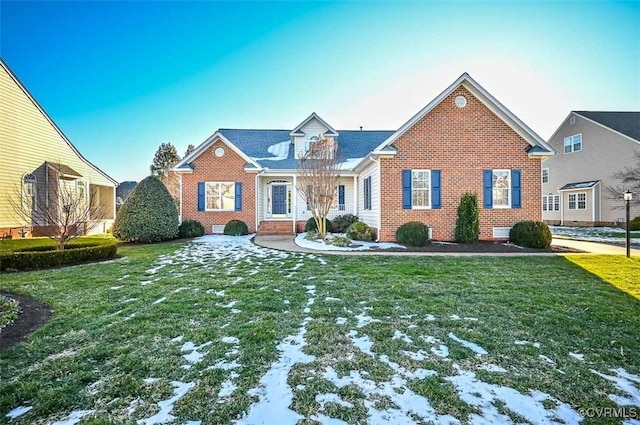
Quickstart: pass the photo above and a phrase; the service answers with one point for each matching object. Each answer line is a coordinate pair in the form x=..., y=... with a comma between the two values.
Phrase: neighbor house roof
x=626, y=123
x=579, y=185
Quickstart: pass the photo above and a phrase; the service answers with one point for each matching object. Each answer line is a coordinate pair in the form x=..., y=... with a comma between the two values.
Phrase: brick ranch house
x=463, y=140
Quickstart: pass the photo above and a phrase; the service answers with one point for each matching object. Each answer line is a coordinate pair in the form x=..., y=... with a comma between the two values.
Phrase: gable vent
x=572, y=120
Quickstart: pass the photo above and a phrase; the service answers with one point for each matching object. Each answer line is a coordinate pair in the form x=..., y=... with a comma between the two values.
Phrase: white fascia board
x=205, y=145
x=487, y=99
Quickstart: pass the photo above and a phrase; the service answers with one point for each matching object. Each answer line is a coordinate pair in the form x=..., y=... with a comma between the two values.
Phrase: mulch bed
x=481, y=248
x=33, y=315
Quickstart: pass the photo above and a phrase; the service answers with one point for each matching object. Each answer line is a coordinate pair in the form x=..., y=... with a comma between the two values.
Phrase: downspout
x=355, y=195
x=593, y=204
x=180, y=215
x=561, y=208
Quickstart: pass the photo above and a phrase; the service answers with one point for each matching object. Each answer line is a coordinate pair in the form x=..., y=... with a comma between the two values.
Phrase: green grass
x=13, y=244
x=95, y=353
x=9, y=310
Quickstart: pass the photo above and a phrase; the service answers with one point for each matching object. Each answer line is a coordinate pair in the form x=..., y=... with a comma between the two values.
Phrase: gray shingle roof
x=255, y=143
x=627, y=123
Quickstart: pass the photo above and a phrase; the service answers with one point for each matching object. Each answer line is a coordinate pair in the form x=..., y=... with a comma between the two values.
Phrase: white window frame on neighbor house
x=551, y=202
x=576, y=201
x=494, y=189
x=571, y=142
x=545, y=175
x=29, y=190
x=415, y=190
x=220, y=196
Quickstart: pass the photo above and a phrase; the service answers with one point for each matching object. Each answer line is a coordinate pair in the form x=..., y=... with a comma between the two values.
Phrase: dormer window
x=310, y=142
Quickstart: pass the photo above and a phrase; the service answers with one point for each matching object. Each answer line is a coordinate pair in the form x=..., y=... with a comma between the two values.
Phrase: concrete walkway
x=286, y=243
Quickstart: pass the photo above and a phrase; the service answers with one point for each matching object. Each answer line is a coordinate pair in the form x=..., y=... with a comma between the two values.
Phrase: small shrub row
x=311, y=225
x=342, y=222
x=236, y=228
x=635, y=223
x=413, y=233
x=37, y=259
x=359, y=231
x=531, y=234
x=190, y=229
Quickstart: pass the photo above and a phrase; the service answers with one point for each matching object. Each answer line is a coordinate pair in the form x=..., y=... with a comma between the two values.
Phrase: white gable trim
x=205, y=145
x=297, y=130
x=487, y=99
x=53, y=124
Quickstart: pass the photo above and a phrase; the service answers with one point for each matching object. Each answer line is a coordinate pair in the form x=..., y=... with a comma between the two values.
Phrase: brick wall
x=462, y=143
x=228, y=168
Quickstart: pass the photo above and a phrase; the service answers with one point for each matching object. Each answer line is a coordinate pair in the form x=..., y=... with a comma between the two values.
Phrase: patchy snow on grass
x=341, y=320
x=180, y=389
x=193, y=351
x=230, y=340
x=18, y=411
x=492, y=368
x=522, y=342
x=484, y=396
x=416, y=355
x=158, y=301
x=73, y=418
x=577, y=356
x=547, y=359
x=325, y=398
x=227, y=387
x=470, y=345
x=332, y=299
x=319, y=245
x=364, y=319
x=115, y=288
x=626, y=383
x=403, y=336
x=430, y=318
x=591, y=234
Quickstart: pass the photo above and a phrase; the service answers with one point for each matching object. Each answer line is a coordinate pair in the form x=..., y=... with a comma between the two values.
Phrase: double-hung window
x=551, y=203
x=545, y=175
x=420, y=189
x=573, y=143
x=578, y=201
x=501, y=188
x=220, y=196
x=367, y=193
x=29, y=192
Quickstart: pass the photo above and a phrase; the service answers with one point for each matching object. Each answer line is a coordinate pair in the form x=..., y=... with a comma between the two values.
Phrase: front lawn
x=13, y=244
x=219, y=331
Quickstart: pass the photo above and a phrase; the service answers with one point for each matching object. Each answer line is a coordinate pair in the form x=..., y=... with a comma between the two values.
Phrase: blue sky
x=119, y=78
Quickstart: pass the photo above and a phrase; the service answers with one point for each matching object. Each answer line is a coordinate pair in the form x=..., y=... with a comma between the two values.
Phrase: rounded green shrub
x=312, y=226
x=635, y=223
x=191, y=229
x=531, y=234
x=359, y=231
x=342, y=222
x=468, y=221
x=148, y=215
x=413, y=233
x=236, y=228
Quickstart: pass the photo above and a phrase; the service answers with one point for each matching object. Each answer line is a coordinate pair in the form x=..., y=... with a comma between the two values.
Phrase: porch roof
x=579, y=185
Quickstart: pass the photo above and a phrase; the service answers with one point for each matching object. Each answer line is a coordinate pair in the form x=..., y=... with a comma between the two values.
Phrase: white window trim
x=577, y=208
x=425, y=207
x=501, y=207
x=547, y=170
x=206, y=185
x=571, y=144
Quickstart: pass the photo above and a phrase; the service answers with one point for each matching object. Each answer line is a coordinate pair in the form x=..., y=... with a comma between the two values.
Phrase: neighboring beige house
x=37, y=159
x=591, y=147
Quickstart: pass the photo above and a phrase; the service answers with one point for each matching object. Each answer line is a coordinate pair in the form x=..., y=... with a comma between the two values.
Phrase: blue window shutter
x=369, y=193
x=201, y=196
x=435, y=189
x=488, y=188
x=238, y=196
x=406, y=189
x=341, y=197
x=516, y=190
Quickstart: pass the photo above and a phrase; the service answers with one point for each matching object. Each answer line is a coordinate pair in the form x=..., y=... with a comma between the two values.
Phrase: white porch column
x=294, y=197
x=355, y=195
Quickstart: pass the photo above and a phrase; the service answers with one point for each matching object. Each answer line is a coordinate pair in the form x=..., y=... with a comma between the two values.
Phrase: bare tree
x=318, y=178
x=60, y=209
x=628, y=179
